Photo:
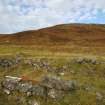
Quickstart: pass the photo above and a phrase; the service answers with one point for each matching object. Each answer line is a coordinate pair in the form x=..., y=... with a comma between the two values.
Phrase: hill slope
x=67, y=34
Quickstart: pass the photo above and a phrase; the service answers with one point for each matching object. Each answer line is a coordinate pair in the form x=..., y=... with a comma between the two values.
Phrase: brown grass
x=71, y=34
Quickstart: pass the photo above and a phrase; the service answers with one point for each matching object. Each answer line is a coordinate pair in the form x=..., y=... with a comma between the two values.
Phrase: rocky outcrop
x=58, y=84
x=86, y=60
x=52, y=87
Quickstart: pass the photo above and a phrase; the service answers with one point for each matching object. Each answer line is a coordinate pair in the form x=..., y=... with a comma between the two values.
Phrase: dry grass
x=62, y=43
x=71, y=34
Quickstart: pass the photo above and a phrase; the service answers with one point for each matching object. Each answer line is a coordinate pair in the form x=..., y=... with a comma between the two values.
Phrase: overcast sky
x=19, y=15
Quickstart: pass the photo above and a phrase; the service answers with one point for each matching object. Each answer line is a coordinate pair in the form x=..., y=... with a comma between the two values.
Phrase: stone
x=53, y=87
x=33, y=102
x=6, y=63
x=99, y=96
x=24, y=87
x=10, y=85
x=80, y=60
x=62, y=74
x=18, y=58
x=37, y=90
x=93, y=61
x=29, y=94
x=7, y=91
x=86, y=60
x=57, y=83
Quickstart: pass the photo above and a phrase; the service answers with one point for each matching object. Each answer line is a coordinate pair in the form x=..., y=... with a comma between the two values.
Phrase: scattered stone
x=24, y=87
x=62, y=74
x=86, y=60
x=29, y=94
x=9, y=84
x=57, y=83
x=80, y=60
x=88, y=87
x=93, y=61
x=55, y=94
x=99, y=96
x=6, y=63
x=18, y=58
x=37, y=90
x=49, y=86
x=33, y=102
x=7, y=91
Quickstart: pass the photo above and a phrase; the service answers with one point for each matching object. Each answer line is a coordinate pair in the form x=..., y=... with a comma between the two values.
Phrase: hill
x=65, y=34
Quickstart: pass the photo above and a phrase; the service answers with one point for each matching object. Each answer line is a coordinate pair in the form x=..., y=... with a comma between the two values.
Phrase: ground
x=62, y=43
x=80, y=73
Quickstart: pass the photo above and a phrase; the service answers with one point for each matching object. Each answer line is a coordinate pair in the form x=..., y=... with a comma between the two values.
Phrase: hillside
x=60, y=65
x=67, y=34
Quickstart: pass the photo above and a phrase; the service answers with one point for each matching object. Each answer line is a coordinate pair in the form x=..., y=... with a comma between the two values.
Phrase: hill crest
x=65, y=34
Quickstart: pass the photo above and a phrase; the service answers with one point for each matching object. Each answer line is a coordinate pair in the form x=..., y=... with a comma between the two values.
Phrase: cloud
x=19, y=15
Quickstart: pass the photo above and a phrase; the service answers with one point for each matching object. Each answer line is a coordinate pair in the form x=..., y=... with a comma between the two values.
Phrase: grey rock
x=33, y=102
x=29, y=94
x=55, y=94
x=10, y=85
x=6, y=63
x=99, y=96
x=80, y=60
x=24, y=87
x=7, y=91
x=37, y=90
x=57, y=83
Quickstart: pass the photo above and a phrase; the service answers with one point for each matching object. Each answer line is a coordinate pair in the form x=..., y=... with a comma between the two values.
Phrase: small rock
x=29, y=94
x=99, y=96
x=24, y=87
x=72, y=71
x=62, y=74
x=55, y=94
x=80, y=60
x=37, y=90
x=7, y=91
x=33, y=102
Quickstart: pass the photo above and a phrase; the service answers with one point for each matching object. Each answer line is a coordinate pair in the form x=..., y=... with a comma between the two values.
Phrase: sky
x=21, y=15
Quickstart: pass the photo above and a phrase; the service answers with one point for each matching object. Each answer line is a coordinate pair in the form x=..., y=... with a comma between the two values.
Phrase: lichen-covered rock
x=9, y=84
x=7, y=91
x=86, y=60
x=6, y=63
x=33, y=102
x=57, y=83
x=55, y=94
x=24, y=87
x=80, y=60
x=49, y=86
x=99, y=96
x=37, y=90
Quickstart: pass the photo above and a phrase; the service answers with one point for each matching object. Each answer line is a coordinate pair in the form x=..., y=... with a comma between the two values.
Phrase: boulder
x=24, y=87
x=37, y=90
x=9, y=85
x=58, y=84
